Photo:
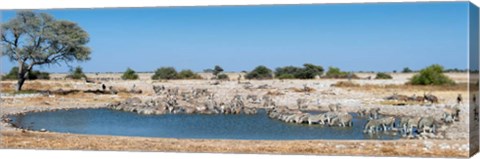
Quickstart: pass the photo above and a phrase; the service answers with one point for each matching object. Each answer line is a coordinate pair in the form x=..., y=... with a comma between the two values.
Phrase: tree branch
x=7, y=41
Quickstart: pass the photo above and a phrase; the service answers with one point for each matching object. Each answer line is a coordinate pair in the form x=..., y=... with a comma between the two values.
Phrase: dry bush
x=405, y=87
x=456, y=87
x=6, y=87
x=302, y=90
x=275, y=93
x=346, y=84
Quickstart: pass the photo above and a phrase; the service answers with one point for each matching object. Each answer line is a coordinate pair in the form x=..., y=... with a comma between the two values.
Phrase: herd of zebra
x=407, y=126
x=203, y=101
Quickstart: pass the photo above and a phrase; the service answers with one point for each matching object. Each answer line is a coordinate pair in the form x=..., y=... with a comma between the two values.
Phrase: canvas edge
x=473, y=49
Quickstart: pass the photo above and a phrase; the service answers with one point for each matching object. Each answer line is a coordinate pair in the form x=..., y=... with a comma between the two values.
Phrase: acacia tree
x=217, y=70
x=33, y=39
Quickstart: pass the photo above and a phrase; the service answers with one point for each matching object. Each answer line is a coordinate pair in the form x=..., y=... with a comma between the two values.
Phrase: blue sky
x=354, y=37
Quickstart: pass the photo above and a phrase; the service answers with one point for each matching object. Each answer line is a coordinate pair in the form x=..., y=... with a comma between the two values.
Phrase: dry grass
x=405, y=87
x=35, y=85
x=345, y=84
x=35, y=140
x=303, y=90
x=275, y=93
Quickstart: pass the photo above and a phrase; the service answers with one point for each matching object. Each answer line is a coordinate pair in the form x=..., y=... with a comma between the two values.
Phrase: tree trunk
x=20, y=83
x=22, y=76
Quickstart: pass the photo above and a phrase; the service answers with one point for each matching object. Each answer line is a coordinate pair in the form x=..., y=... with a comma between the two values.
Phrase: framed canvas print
x=358, y=79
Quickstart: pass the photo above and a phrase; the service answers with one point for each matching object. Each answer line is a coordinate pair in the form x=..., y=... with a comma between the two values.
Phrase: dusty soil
x=366, y=94
x=36, y=140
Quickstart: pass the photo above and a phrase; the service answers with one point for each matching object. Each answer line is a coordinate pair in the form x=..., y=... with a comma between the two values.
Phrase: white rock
x=464, y=147
x=427, y=145
x=340, y=146
x=444, y=146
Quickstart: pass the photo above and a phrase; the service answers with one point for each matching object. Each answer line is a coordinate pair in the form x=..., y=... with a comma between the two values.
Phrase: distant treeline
x=306, y=71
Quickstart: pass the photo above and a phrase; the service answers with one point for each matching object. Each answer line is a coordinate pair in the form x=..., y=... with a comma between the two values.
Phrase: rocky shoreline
x=427, y=148
x=12, y=111
x=159, y=106
x=199, y=99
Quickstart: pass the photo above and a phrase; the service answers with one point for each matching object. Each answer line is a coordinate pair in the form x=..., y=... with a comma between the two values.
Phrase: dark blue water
x=247, y=127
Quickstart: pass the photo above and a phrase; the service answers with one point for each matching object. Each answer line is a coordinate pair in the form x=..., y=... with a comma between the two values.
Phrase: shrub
x=431, y=75
x=217, y=69
x=12, y=75
x=129, y=74
x=260, y=72
x=32, y=75
x=382, y=75
x=345, y=84
x=223, y=76
x=334, y=72
x=406, y=70
x=165, y=73
x=287, y=71
x=308, y=71
x=76, y=73
x=188, y=74
x=38, y=75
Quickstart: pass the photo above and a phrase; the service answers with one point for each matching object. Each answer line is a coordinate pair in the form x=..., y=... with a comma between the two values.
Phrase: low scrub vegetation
x=382, y=75
x=260, y=72
x=431, y=75
x=334, y=72
x=345, y=84
x=223, y=77
x=77, y=73
x=32, y=75
x=309, y=71
x=129, y=74
x=168, y=73
x=406, y=70
x=188, y=74
x=165, y=73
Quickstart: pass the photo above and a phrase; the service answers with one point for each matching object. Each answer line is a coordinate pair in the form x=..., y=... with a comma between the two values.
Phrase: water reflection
x=248, y=127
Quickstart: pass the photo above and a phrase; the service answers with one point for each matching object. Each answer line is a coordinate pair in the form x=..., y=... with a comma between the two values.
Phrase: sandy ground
x=368, y=94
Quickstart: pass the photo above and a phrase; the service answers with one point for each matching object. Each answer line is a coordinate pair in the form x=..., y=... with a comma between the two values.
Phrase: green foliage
x=260, y=72
x=32, y=75
x=188, y=74
x=12, y=75
x=223, y=76
x=35, y=39
x=165, y=73
x=382, y=75
x=406, y=70
x=38, y=75
x=308, y=71
x=217, y=70
x=334, y=72
x=129, y=74
x=287, y=72
x=431, y=75
x=77, y=73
